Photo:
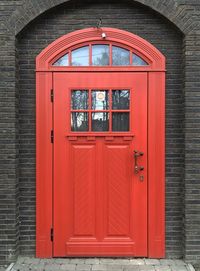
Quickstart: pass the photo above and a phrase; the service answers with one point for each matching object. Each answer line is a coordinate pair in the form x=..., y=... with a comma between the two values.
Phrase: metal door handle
x=137, y=168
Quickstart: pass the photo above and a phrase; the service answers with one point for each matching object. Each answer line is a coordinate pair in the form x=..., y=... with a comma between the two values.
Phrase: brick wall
x=192, y=147
x=9, y=205
x=133, y=18
x=17, y=119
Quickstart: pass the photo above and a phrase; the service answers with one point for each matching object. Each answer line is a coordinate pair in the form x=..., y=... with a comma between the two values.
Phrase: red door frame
x=156, y=131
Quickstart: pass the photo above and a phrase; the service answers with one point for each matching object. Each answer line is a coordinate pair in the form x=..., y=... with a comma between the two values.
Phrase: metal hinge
x=52, y=95
x=52, y=136
x=51, y=234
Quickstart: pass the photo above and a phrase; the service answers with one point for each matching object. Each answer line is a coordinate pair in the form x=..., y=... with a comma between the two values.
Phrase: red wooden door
x=99, y=200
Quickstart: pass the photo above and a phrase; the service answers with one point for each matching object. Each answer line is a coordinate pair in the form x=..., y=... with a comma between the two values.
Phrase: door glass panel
x=138, y=61
x=120, y=56
x=79, y=121
x=100, y=99
x=120, y=99
x=80, y=56
x=120, y=122
x=100, y=122
x=100, y=55
x=79, y=99
x=63, y=61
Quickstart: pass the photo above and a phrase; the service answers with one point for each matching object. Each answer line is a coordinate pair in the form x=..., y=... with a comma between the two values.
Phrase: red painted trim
x=156, y=134
x=43, y=165
x=156, y=165
x=102, y=69
x=144, y=48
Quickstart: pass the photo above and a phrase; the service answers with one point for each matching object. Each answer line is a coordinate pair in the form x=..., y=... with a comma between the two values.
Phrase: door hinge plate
x=52, y=136
x=51, y=234
x=52, y=95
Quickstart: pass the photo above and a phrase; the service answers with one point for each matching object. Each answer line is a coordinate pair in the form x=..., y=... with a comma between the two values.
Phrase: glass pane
x=100, y=55
x=138, y=61
x=120, y=122
x=100, y=99
x=79, y=99
x=79, y=121
x=100, y=122
x=120, y=99
x=120, y=56
x=63, y=61
x=80, y=57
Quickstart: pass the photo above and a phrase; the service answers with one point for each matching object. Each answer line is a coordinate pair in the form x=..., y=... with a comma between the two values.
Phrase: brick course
x=17, y=107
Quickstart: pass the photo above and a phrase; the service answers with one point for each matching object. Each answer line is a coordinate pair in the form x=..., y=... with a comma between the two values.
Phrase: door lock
x=137, y=168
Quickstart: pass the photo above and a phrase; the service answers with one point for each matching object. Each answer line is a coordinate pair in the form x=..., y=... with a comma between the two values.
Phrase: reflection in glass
x=63, y=61
x=120, y=56
x=79, y=99
x=80, y=56
x=120, y=122
x=100, y=99
x=138, y=61
x=79, y=121
x=100, y=122
x=100, y=55
x=120, y=99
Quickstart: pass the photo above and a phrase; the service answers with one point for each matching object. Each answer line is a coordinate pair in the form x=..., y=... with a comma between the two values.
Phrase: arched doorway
x=100, y=146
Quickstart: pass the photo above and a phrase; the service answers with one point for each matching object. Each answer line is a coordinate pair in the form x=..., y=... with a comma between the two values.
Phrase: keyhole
x=141, y=178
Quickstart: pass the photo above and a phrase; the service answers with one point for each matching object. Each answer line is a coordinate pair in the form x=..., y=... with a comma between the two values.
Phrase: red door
x=100, y=187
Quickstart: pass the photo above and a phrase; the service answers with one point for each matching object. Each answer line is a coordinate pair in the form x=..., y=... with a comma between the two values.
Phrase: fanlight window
x=100, y=55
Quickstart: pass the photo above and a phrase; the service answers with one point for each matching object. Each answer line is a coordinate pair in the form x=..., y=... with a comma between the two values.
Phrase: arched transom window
x=101, y=54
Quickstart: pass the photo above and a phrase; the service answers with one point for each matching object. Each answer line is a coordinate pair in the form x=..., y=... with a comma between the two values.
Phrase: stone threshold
x=98, y=264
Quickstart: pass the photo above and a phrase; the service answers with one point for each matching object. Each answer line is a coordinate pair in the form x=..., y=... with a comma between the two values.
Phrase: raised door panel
x=82, y=169
x=118, y=187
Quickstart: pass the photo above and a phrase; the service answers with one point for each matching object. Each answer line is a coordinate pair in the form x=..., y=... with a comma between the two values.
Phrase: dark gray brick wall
x=180, y=12
x=192, y=147
x=9, y=154
x=9, y=214
x=140, y=21
x=183, y=103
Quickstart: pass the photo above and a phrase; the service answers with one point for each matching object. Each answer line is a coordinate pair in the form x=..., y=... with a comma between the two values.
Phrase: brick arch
x=33, y=8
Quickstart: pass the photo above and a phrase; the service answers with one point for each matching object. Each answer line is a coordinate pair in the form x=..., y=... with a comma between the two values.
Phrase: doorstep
x=99, y=264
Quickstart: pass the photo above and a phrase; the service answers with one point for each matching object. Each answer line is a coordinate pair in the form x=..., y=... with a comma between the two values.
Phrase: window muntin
x=100, y=55
x=103, y=110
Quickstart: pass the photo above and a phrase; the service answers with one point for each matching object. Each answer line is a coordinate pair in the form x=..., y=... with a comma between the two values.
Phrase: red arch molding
x=156, y=131
x=156, y=59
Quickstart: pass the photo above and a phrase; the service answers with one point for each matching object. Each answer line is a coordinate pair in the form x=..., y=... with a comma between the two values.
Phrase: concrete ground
x=99, y=264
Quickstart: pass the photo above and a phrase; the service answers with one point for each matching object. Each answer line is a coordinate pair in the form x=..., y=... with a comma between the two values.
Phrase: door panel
x=118, y=190
x=100, y=203
x=82, y=164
